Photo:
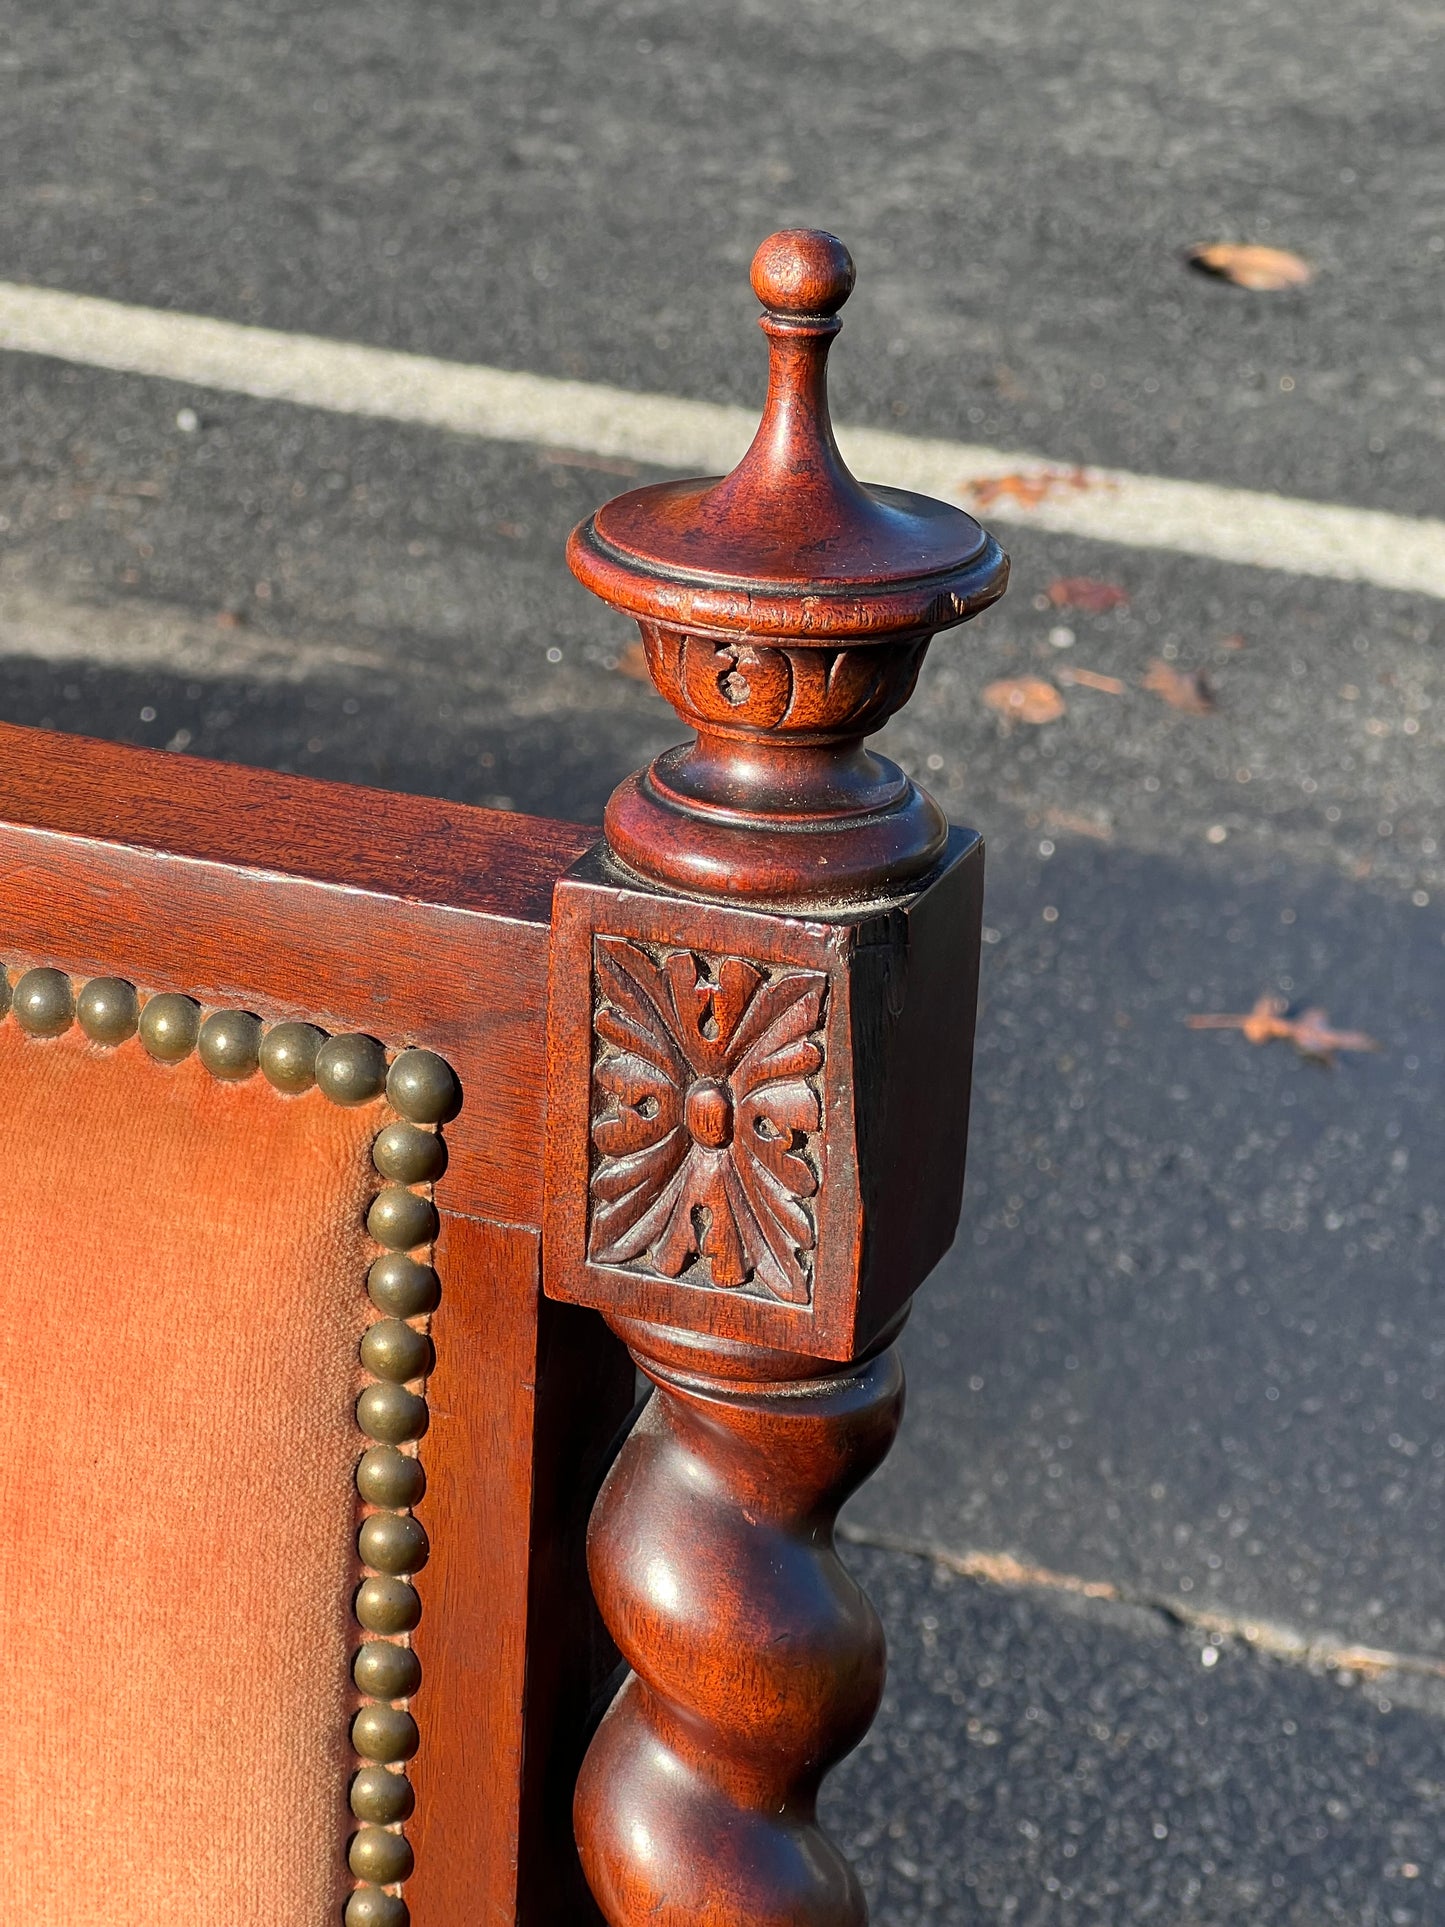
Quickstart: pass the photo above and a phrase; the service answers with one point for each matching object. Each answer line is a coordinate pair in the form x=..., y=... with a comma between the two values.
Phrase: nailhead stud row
x=396, y=1352
x=234, y=1044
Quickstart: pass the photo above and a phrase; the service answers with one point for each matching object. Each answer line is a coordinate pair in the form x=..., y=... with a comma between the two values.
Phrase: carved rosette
x=706, y=1118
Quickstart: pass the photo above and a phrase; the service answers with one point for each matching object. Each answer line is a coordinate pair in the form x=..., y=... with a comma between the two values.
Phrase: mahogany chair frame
x=714, y=1077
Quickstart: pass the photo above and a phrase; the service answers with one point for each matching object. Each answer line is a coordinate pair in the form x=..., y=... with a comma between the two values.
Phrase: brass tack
x=377, y=1855
x=230, y=1044
x=351, y=1069
x=403, y=1287
x=108, y=1009
x=409, y=1154
x=387, y=1606
x=169, y=1026
x=392, y=1542
x=386, y=1672
x=288, y=1056
x=423, y=1087
x=384, y=1734
x=391, y=1414
x=44, y=1002
x=374, y=1907
x=400, y=1219
x=390, y=1349
x=382, y=1798
x=385, y=1476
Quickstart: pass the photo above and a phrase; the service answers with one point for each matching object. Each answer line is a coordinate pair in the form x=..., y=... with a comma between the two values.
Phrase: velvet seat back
x=182, y=1292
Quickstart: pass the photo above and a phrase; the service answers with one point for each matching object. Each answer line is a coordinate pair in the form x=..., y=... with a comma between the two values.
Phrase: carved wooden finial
x=785, y=610
x=756, y=1118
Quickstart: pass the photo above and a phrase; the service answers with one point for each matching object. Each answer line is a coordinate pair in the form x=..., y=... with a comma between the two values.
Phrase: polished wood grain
x=525, y=1398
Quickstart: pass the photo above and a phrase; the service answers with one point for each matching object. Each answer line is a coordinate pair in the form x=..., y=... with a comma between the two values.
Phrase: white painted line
x=1104, y=505
x=137, y=634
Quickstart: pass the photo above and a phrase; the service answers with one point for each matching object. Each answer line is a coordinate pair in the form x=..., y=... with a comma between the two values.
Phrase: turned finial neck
x=802, y=276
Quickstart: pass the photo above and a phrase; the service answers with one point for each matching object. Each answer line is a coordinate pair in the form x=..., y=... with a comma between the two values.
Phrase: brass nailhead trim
x=396, y=1352
x=44, y=1002
x=396, y=1348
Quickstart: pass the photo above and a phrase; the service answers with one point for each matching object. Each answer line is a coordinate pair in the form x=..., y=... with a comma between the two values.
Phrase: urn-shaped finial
x=785, y=610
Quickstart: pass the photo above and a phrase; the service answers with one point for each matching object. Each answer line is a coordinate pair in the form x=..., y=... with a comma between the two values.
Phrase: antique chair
x=335, y=1237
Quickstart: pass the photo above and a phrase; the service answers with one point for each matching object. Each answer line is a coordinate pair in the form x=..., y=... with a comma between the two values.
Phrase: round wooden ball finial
x=785, y=610
x=802, y=271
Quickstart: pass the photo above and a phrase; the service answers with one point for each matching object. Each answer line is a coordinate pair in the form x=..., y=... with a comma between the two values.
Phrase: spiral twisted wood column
x=757, y=1661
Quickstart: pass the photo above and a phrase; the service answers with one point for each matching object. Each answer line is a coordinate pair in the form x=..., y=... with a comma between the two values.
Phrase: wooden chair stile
x=362, y=1149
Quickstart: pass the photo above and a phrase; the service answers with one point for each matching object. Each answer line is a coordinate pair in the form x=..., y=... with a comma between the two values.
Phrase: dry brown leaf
x=579, y=458
x=1310, y=1032
x=1086, y=593
x=1028, y=487
x=1025, y=699
x=1263, y=270
x=1091, y=679
x=633, y=662
x=1078, y=825
x=1186, y=689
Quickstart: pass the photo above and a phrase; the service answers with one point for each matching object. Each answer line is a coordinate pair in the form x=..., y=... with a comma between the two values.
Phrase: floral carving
x=746, y=682
x=706, y=1111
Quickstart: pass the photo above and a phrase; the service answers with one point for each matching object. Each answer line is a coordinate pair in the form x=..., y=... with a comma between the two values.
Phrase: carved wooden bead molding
x=408, y=1154
x=707, y=1118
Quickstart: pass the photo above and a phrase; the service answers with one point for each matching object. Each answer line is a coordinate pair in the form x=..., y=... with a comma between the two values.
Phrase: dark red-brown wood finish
x=760, y=1039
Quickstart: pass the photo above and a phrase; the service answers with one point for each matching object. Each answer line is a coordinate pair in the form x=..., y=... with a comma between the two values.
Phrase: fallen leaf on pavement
x=1028, y=487
x=1084, y=592
x=1091, y=679
x=1025, y=699
x=1186, y=689
x=579, y=458
x=1078, y=825
x=633, y=662
x=1263, y=270
x=1310, y=1032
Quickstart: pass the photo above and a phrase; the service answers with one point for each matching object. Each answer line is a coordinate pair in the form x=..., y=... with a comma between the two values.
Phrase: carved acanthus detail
x=706, y=1115
x=756, y=684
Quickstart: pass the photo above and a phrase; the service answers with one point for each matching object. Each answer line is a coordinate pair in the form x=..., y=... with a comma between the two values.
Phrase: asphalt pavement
x=1177, y=1389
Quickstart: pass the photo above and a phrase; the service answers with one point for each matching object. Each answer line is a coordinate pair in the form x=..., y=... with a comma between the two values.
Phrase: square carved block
x=757, y=1121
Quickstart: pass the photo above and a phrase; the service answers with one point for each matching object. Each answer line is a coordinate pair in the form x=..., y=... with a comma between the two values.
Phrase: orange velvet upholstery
x=182, y=1289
